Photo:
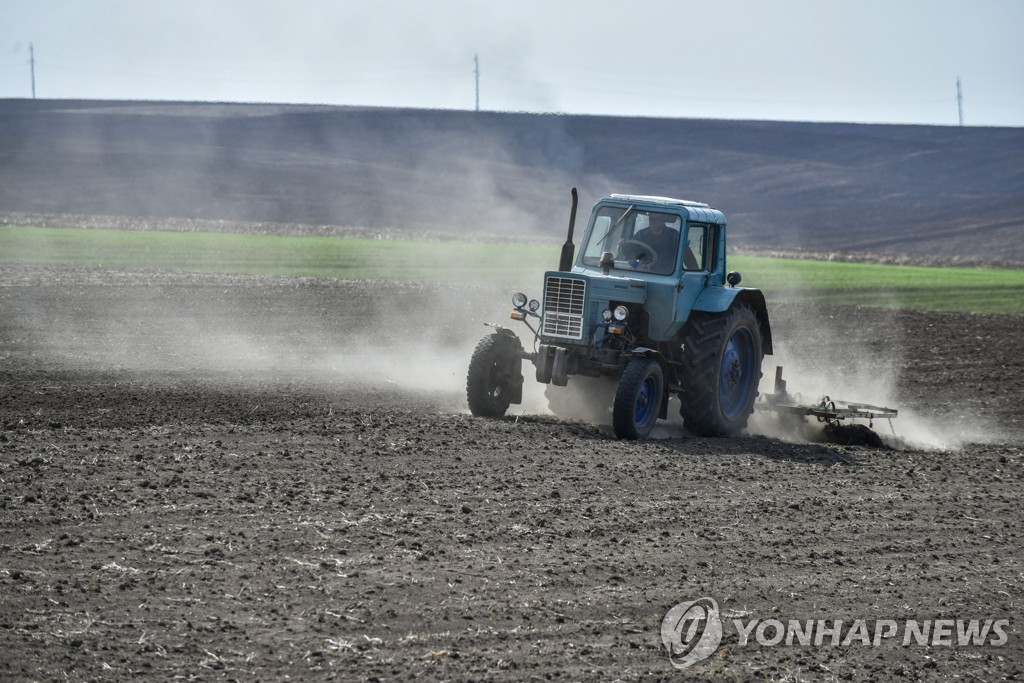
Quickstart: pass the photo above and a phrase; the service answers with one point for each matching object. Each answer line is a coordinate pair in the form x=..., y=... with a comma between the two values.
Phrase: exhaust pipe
x=568, y=249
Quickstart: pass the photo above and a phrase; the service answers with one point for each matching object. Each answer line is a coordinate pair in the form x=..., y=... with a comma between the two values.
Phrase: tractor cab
x=645, y=235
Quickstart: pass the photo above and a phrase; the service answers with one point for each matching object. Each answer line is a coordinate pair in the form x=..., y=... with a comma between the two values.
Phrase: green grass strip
x=517, y=266
x=928, y=288
x=322, y=257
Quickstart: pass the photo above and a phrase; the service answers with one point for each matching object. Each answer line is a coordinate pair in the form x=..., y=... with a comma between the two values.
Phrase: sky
x=865, y=61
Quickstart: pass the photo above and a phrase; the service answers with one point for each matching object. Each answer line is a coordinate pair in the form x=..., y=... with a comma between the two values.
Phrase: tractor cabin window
x=696, y=247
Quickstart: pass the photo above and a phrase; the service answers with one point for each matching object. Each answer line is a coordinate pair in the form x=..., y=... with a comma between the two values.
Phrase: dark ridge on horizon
x=313, y=106
x=923, y=191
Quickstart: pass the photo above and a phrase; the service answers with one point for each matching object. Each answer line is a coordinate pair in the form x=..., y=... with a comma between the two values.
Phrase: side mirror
x=733, y=278
x=607, y=261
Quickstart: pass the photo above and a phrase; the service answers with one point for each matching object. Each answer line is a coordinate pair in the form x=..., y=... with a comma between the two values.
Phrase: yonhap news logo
x=692, y=631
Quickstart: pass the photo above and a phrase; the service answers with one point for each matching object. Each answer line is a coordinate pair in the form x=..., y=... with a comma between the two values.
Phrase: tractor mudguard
x=719, y=299
x=508, y=332
x=502, y=330
x=654, y=354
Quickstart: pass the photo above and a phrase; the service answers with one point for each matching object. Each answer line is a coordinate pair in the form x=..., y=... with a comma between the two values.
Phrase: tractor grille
x=563, y=307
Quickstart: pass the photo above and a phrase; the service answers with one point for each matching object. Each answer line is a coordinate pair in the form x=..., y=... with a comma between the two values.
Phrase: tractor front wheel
x=494, y=375
x=638, y=399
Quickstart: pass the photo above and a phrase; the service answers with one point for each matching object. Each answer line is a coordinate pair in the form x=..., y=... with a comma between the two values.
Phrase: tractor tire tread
x=482, y=400
x=704, y=338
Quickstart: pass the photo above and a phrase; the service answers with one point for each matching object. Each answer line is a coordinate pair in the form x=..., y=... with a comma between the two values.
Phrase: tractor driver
x=661, y=239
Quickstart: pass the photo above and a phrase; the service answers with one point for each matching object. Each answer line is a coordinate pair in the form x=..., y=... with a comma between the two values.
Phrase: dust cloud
x=396, y=172
x=390, y=174
x=210, y=330
x=417, y=339
x=823, y=353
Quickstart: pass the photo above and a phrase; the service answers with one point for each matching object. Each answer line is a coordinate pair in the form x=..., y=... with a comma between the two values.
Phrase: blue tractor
x=646, y=303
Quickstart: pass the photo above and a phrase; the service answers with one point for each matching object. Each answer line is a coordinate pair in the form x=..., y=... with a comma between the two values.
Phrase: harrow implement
x=826, y=409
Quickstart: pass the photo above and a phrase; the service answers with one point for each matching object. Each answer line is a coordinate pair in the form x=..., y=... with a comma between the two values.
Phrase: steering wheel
x=643, y=245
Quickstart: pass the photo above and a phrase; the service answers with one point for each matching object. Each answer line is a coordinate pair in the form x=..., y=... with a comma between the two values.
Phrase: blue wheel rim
x=736, y=378
x=645, y=401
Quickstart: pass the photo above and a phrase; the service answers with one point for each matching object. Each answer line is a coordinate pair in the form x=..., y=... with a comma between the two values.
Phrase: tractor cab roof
x=650, y=199
x=695, y=211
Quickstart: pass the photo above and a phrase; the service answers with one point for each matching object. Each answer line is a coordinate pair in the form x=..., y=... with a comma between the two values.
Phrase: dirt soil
x=240, y=478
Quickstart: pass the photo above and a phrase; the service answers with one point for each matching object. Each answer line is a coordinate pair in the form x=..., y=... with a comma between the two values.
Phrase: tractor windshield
x=639, y=240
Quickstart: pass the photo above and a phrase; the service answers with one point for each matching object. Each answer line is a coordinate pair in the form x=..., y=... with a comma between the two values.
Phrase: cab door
x=698, y=258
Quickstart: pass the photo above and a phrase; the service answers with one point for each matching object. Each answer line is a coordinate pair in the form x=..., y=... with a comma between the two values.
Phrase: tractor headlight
x=518, y=299
x=620, y=313
x=607, y=315
x=534, y=305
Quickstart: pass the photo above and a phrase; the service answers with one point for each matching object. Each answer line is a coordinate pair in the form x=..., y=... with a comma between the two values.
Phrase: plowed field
x=242, y=478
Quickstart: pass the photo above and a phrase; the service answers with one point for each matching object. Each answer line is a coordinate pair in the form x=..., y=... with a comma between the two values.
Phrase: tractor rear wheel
x=721, y=368
x=494, y=375
x=638, y=399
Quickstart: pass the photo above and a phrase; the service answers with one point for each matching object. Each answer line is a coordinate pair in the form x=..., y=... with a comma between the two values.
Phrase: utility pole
x=476, y=73
x=960, y=101
x=32, y=67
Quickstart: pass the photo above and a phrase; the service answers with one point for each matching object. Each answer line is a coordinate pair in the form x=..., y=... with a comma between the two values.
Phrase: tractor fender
x=720, y=299
x=501, y=330
x=509, y=333
x=645, y=352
